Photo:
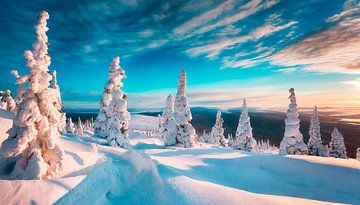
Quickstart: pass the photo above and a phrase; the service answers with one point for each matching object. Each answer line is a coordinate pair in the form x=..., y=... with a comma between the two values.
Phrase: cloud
x=286, y=70
x=215, y=48
x=204, y=18
x=335, y=50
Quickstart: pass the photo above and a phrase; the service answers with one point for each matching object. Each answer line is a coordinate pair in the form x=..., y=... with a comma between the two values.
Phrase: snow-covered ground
x=149, y=173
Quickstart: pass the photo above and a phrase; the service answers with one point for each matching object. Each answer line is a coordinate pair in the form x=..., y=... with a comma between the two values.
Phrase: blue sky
x=230, y=49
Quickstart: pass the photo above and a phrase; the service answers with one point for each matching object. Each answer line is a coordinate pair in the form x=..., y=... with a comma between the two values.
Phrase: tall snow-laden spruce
x=315, y=143
x=33, y=139
x=292, y=143
x=185, y=132
x=244, y=139
x=112, y=121
x=217, y=132
x=337, y=147
x=168, y=128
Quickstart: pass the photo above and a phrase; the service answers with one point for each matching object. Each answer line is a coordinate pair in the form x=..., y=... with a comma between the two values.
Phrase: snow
x=6, y=121
x=150, y=173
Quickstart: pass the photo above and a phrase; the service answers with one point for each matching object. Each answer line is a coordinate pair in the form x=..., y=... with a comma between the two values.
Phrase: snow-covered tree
x=59, y=105
x=203, y=137
x=292, y=143
x=112, y=121
x=244, y=139
x=314, y=144
x=8, y=102
x=32, y=140
x=337, y=147
x=70, y=127
x=2, y=104
x=217, y=132
x=185, y=132
x=79, y=127
x=358, y=154
x=168, y=127
x=230, y=140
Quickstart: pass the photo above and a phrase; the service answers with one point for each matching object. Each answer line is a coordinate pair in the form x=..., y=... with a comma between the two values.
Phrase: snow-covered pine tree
x=217, y=132
x=79, y=127
x=59, y=105
x=314, y=144
x=32, y=140
x=244, y=139
x=8, y=102
x=168, y=127
x=70, y=127
x=230, y=140
x=201, y=138
x=292, y=143
x=112, y=121
x=20, y=82
x=358, y=154
x=185, y=132
x=337, y=147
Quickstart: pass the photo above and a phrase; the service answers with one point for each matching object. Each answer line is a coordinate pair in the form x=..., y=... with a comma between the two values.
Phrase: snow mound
x=131, y=178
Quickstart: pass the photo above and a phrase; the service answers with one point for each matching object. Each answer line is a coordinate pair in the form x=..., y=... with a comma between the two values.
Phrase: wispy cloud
x=213, y=49
x=335, y=50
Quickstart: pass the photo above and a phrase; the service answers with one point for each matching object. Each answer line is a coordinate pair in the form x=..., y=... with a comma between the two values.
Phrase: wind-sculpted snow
x=131, y=178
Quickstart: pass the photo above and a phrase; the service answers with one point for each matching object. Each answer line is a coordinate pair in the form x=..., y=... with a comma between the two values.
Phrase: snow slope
x=151, y=174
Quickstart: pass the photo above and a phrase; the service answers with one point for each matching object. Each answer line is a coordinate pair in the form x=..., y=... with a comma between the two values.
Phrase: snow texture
x=292, y=143
x=337, y=147
x=244, y=139
x=33, y=139
x=112, y=122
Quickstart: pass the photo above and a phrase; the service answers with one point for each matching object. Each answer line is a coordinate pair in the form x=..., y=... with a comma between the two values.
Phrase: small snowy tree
x=8, y=102
x=32, y=140
x=314, y=144
x=59, y=105
x=79, y=127
x=337, y=147
x=70, y=127
x=358, y=154
x=292, y=143
x=244, y=139
x=185, y=132
x=230, y=140
x=112, y=121
x=201, y=138
x=168, y=128
x=2, y=104
x=217, y=132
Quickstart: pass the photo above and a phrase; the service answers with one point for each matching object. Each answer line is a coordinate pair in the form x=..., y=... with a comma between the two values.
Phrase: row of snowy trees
x=79, y=127
x=293, y=143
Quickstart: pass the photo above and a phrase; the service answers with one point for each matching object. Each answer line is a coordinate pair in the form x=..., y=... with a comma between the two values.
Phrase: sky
x=230, y=50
